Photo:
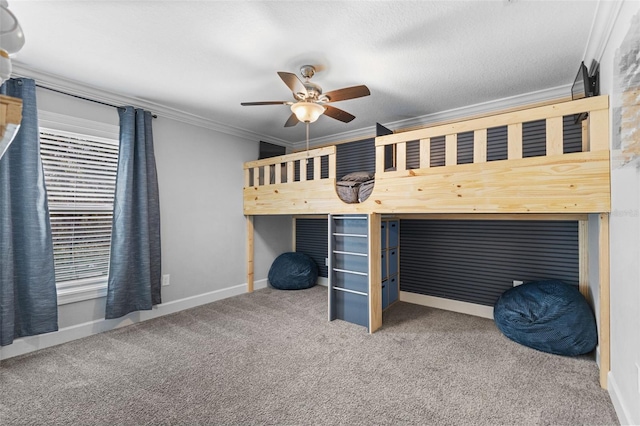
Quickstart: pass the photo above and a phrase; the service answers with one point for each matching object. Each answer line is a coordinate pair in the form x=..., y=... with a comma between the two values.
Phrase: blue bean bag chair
x=549, y=316
x=293, y=271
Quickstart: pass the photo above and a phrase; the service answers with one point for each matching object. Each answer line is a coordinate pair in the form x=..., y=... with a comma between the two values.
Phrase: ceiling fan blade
x=292, y=121
x=264, y=103
x=348, y=93
x=293, y=82
x=338, y=114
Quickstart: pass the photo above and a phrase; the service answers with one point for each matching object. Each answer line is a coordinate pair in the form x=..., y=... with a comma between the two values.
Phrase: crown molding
x=79, y=89
x=483, y=108
x=72, y=87
x=604, y=19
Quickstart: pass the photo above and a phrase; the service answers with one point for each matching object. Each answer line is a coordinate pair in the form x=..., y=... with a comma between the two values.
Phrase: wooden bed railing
x=270, y=170
x=556, y=182
x=595, y=138
x=595, y=134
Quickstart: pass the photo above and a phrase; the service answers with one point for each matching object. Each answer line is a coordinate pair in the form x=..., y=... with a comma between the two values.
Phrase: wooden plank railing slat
x=480, y=146
x=451, y=150
x=290, y=171
x=599, y=130
x=401, y=156
x=379, y=159
x=317, y=168
x=514, y=141
x=256, y=176
x=554, y=136
x=332, y=166
x=278, y=173
x=425, y=153
x=303, y=169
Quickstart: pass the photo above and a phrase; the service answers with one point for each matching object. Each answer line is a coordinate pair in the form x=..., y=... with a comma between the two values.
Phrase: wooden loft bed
x=555, y=186
x=554, y=183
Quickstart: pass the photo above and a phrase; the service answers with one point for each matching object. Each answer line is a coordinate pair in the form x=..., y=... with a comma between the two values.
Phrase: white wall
x=203, y=229
x=625, y=247
x=273, y=236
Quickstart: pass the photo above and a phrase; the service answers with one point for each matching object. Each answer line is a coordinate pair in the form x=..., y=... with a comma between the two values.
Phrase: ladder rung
x=350, y=253
x=350, y=272
x=346, y=290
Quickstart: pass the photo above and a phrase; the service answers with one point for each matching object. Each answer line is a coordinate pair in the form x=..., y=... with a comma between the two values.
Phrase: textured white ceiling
x=205, y=57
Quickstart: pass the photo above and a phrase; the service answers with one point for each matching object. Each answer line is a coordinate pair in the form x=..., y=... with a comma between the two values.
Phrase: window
x=80, y=175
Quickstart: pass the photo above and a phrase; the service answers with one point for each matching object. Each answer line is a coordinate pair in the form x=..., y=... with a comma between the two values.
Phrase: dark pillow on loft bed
x=549, y=316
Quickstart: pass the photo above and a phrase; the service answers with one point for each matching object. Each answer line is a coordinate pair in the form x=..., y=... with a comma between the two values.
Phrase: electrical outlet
x=516, y=283
x=166, y=280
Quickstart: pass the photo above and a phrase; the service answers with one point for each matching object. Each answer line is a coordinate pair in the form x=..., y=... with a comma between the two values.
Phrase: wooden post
x=583, y=259
x=375, y=273
x=249, y=220
x=247, y=178
x=293, y=233
x=603, y=335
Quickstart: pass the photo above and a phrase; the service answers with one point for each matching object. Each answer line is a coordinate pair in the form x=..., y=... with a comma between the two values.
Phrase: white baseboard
x=25, y=345
x=447, y=304
x=263, y=283
x=624, y=416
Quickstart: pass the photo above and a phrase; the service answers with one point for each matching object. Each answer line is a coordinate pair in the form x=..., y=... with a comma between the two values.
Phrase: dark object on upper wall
x=585, y=85
x=268, y=150
x=382, y=131
x=388, y=149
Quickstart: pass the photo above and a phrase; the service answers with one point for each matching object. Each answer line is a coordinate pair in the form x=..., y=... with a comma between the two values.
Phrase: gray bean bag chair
x=293, y=271
x=549, y=316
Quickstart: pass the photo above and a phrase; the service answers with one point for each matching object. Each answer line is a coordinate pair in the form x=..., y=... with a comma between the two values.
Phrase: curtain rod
x=82, y=97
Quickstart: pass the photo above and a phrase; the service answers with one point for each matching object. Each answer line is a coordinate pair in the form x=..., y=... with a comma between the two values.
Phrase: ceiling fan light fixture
x=307, y=112
x=11, y=35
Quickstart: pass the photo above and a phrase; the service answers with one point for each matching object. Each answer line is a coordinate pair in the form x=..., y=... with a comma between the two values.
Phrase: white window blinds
x=80, y=176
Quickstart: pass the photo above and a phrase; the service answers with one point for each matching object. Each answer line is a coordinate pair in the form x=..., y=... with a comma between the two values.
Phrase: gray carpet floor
x=271, y=357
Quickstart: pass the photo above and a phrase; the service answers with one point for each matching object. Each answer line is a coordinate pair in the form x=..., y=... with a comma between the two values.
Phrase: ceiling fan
x=309, y=101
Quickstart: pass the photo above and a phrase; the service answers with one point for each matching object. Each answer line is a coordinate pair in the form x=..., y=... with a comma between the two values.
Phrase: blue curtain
x=135, y=268
x=28, y=301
